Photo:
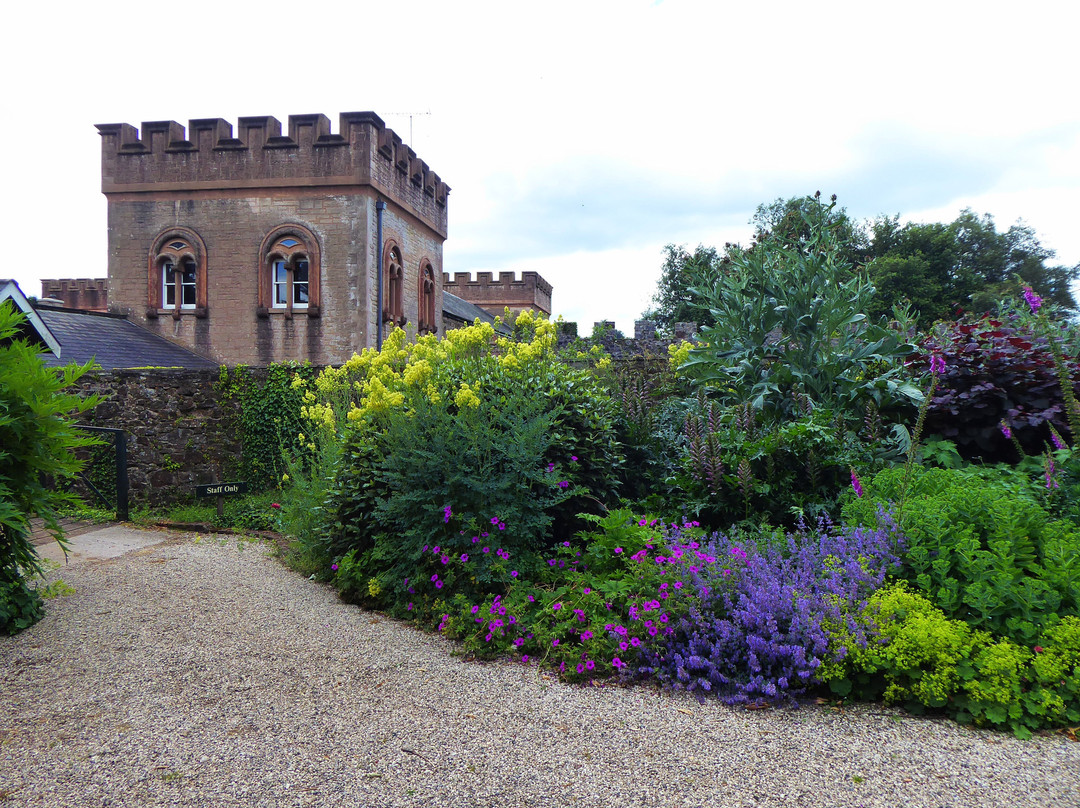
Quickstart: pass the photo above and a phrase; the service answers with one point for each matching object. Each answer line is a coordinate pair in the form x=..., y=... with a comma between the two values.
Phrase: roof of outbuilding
x=462, y=310
x=34, y=327
x=113, y=341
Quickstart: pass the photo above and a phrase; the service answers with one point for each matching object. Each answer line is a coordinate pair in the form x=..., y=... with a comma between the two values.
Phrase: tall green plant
x=37, y=452
x=790, y=317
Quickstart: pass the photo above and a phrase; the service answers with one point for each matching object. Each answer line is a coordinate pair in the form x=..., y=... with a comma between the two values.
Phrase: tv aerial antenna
x=410, y=116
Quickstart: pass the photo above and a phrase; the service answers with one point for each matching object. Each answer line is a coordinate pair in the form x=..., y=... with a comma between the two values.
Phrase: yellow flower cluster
x=374, y=382
x=678, y=354
x=466, y=398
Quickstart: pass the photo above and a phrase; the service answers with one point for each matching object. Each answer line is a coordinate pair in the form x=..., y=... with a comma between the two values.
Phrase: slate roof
x=465, y=312
x=33, y=328
x=113, y=342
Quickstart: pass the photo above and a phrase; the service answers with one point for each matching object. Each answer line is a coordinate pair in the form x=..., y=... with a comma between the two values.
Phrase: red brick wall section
x=88, y=294
x=530, y=292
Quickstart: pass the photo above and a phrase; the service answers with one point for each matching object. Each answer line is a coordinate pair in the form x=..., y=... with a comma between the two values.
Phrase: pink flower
x=855, y=484
x=1032, y=299
x=276, y=506
x=334, y=567
x=1038, y=649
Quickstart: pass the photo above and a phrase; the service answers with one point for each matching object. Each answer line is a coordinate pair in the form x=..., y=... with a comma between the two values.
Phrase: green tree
x=673, y=301
x=37, y=450
x=966, y=264
x=789, y=223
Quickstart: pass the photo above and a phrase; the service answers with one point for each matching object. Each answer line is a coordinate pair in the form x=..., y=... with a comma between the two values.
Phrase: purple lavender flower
x=1049, y=470
x=1056, y=438
x=937, y=364
x=761, y=633
x=1005, y=430
x=447, y=513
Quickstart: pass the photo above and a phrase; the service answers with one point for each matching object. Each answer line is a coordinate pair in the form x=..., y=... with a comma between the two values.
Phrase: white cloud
x=578, y=138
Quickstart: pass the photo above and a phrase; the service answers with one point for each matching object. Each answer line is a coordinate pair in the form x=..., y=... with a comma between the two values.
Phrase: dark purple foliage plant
x=763, y=619
x=998, y=372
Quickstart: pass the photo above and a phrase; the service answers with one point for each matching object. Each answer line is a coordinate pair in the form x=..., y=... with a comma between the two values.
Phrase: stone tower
x=263, y=247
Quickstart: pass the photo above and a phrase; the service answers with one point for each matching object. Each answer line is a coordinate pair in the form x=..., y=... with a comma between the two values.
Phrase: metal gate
x=106, y=473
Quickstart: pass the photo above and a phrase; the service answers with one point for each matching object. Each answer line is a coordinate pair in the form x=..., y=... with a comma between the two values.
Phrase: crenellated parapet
x=645, y=342
x=166, y=157
x=87, y=294
x=529, y=292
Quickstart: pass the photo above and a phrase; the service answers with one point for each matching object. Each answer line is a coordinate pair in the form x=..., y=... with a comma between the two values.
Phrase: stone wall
x=645, y=341
x=179, y=433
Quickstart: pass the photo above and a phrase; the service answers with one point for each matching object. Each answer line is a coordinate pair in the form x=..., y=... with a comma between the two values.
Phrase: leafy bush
x=762, y=618
x=981, y=547
x=791, y=318
x=37, y=451
x=651, y=408
x=924, y=659
x=268, y=418
x=996, y=371
x=477, y=427
x=589, y=610
x=736, y=469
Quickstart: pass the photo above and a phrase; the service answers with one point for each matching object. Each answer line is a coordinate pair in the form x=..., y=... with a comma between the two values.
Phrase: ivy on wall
x=266, y=409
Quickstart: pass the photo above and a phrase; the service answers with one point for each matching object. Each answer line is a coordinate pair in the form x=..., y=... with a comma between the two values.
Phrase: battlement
x=530, y=292
x=645, y=342
x=88, y=294
x=164, y=156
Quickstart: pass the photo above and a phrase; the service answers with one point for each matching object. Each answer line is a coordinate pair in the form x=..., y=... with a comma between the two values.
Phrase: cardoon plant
x=765, y=619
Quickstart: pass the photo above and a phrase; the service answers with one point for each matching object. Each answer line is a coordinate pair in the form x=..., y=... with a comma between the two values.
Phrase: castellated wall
x=529, y=293
x=88, y=294
x=232, y=192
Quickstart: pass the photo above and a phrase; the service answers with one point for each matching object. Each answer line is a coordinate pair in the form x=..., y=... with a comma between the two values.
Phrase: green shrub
x=735, y=468
x=452, y=440
x=791, y=318
x=568, y=613
x=37, y=455
x=981, y=547
x=268, y=419
x=924, y=659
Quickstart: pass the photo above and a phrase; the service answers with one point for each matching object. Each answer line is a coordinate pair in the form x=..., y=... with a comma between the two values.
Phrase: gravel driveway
x=201, y=673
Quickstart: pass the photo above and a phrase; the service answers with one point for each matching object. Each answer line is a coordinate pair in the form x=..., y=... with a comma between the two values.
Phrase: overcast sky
x=578, y=138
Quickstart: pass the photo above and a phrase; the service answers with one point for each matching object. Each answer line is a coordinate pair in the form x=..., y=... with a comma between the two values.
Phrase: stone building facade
x=263, y=247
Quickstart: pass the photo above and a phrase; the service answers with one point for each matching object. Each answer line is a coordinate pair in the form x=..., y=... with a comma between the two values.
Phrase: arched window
x=289, y=272
x=177, y=274
x=394, y=282
x=426, y=302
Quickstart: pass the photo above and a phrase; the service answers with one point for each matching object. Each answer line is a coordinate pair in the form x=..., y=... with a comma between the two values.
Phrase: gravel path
x=196, y=673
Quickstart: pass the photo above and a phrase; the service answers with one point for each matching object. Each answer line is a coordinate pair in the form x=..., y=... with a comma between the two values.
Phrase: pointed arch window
x=177, y=274
x=426, y=301
x=289, y=272
x=394, y=280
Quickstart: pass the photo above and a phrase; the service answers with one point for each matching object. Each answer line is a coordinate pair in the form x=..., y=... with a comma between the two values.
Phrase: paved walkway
x=93, y=542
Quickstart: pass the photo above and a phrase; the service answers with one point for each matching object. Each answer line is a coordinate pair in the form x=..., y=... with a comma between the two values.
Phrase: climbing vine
x=266, y=412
